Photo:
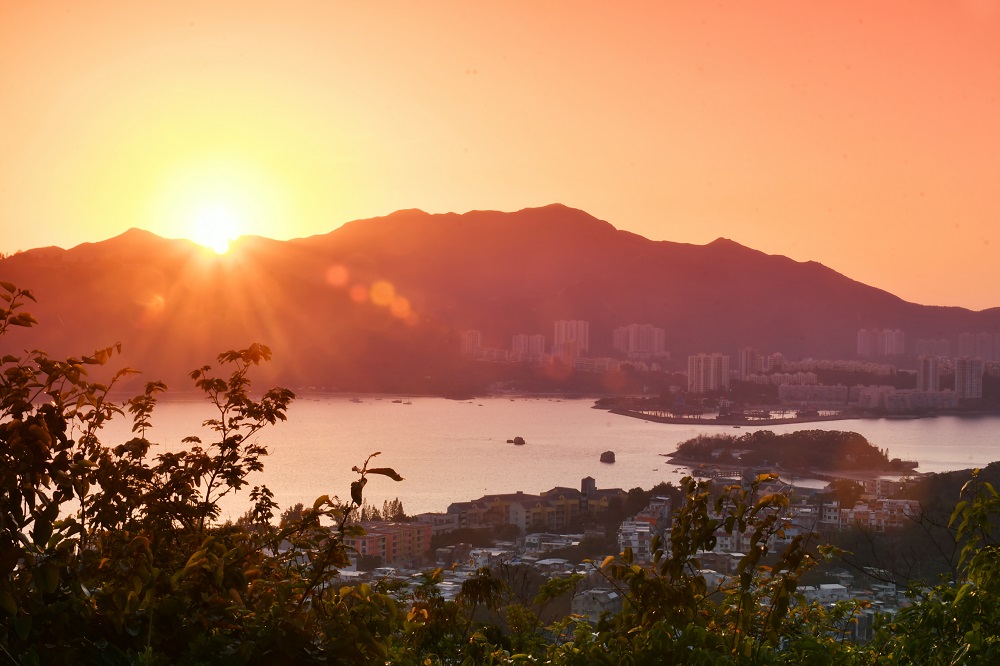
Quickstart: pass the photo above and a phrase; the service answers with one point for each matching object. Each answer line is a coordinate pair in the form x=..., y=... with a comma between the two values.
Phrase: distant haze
x=861, y=135
x=380, y=304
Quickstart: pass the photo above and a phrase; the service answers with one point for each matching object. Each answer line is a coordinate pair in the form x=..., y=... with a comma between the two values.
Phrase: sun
x=214, y=199
x=215, y=225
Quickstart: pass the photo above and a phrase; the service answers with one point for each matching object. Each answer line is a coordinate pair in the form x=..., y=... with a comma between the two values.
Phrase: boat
x=356, y=400
x=608, y=457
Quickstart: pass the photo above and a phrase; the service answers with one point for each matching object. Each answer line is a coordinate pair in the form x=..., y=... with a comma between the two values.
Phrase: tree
x=120, y=556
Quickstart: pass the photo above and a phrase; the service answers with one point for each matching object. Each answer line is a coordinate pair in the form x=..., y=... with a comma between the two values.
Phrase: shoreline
x=729, y=421
x=821, y=475
x=739, y=422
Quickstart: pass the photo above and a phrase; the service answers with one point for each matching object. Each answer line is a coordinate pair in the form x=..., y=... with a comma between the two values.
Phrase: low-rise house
x=593, y=603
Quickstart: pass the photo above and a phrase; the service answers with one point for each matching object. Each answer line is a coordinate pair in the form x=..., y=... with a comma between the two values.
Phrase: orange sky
x=864, y=135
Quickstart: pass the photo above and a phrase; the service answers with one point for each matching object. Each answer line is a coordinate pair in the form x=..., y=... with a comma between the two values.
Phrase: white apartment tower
x=969, y=377
x=572, y=330
x=708, y=372
x=640, y=340
x=532, y=346
x=472, y=342
x=881, y=342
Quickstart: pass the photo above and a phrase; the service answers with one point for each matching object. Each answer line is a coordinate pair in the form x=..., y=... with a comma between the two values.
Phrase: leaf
x=7, y=602
x=961, y=593
x=47, y=577
x=23, y=319
x=42, y=531
x=356, y=488
x=386, y=471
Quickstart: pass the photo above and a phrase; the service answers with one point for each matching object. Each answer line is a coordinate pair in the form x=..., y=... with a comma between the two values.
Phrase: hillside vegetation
x=826, y=450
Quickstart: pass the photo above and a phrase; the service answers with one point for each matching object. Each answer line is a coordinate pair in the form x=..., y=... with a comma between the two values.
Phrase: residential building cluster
x=404, y=547
x=643, y=345
x=551, y=510
x=640, y=341
x=393, y=542
x=881, y=342
x=901, y=401
x=708, y=372
x=571, y=346
x=878, y=513
x=985, y=346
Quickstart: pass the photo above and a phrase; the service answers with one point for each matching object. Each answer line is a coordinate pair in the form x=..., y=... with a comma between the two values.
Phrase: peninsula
x=803, y=451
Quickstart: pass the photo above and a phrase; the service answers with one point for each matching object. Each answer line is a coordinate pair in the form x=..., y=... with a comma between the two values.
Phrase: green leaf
x=961, y=593
x=22, y=625
x=8, y=603
x=47, y=577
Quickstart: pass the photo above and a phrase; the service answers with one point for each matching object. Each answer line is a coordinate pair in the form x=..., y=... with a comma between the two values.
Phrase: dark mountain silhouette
x=377, y=304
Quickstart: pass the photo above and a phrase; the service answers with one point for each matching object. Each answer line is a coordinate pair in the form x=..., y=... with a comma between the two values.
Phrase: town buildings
x=708, y=372
x=471, y=342
x=394, y=542
x=528, y=347
x=551, y=510
x=969, y=377
x=572, y=331
x=928, y=375
x=640, y=341
x=881, y=342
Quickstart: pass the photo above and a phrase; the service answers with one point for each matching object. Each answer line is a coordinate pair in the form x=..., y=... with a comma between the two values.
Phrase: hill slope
x=377, y=304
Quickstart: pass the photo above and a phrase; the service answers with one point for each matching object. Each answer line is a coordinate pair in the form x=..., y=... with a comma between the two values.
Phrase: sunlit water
x=451, y=451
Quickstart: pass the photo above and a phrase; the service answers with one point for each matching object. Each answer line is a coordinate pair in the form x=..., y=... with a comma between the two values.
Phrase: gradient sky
x=861, y=134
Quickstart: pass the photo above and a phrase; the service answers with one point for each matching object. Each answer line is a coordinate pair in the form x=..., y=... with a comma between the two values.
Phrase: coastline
x=743, y=421
x=821, y=475
x=737, y=421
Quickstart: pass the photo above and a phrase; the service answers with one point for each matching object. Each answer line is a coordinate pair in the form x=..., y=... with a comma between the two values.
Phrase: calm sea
x=452, y=451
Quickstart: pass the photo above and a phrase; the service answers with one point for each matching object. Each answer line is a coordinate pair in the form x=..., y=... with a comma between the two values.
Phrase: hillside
x=173, y=305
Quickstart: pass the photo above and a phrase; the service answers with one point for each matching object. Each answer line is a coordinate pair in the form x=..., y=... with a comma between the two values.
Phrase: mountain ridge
x=174, y=304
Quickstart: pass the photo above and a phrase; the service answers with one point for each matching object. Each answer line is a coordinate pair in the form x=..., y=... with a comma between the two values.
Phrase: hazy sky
x=864, y=135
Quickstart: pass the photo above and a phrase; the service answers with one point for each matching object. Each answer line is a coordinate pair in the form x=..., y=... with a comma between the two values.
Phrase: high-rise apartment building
x=708, y=372
x=472, y=342
x=750, y=362
x=531, y=346
x=572, y=330
x=640, y=340
x=881, y=342
x=969, y=377
x=928, y=377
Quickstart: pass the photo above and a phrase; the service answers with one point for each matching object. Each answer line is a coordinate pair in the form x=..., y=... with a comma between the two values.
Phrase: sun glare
x=214, y=226
x=216, y=199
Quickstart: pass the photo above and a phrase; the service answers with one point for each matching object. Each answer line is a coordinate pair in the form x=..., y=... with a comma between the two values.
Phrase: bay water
x=450, y=451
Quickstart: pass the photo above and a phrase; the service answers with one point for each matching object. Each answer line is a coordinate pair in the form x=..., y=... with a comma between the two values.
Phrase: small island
x=803, y=451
